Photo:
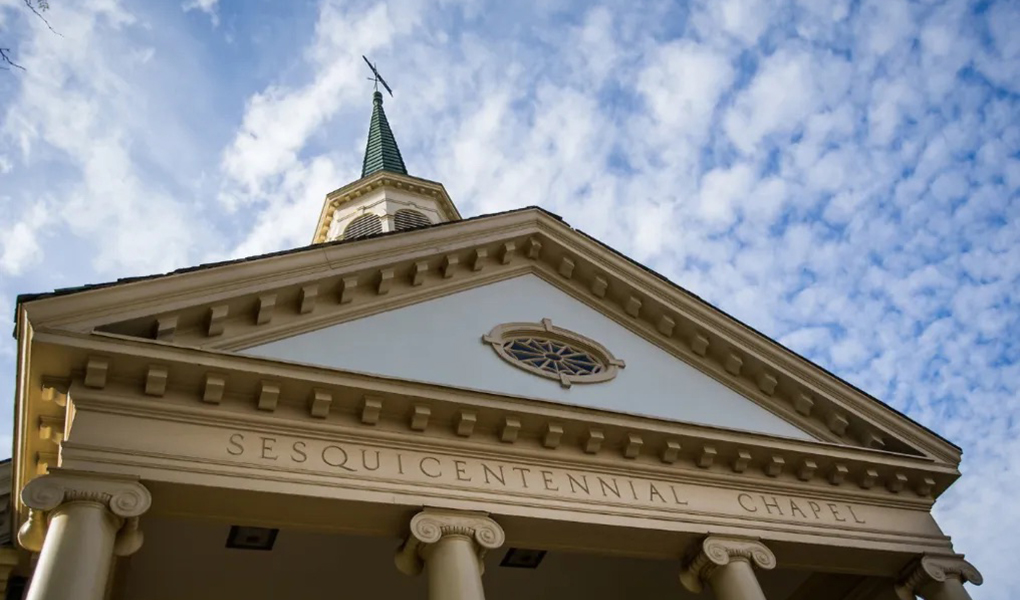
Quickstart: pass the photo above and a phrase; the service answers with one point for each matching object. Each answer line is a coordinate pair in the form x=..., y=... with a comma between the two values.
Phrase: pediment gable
x=250, y=303
x=444, y=341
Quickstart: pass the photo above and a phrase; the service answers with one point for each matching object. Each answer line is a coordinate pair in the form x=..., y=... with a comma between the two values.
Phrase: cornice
x=432, y=413
x=251, y=303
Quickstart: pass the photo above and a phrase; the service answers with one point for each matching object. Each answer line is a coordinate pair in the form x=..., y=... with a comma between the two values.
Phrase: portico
x=411, y=412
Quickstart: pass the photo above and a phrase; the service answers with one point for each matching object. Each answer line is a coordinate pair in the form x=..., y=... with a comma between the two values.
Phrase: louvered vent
x=362, y=226
x=410, y=219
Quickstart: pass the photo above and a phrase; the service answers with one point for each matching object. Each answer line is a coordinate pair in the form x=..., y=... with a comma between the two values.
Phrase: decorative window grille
x=553, y=352
x=409, y=219
x=362, y=226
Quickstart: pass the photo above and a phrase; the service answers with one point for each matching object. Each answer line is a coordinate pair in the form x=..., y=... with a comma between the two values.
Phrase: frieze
x=523, y=479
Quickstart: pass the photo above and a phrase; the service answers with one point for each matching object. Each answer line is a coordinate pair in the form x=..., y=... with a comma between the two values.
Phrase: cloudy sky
x=842, y=175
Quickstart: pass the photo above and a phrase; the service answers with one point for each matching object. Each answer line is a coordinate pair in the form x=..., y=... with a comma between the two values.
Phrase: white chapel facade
x=419, y=405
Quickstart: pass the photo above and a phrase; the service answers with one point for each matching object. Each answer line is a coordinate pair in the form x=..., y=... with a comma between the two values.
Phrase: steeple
x=381, y=152
x=386, y=198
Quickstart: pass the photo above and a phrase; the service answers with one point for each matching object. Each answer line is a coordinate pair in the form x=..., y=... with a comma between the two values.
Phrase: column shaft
x=950, y=589
x=75, y=560
x=453, y=569
x=736, y=581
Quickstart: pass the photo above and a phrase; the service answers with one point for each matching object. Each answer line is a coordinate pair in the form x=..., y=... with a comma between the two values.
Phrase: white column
x=727, y=564
x=939, y=578
x=449, y=546
x=78, y=521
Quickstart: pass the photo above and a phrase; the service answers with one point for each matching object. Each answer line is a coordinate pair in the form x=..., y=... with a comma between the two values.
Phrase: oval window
x=553, y=352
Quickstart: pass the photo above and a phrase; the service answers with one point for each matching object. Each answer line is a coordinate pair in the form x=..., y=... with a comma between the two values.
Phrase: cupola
x=386, y=198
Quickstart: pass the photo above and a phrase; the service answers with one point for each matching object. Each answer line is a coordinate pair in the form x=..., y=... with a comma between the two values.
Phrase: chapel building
x=419, y=405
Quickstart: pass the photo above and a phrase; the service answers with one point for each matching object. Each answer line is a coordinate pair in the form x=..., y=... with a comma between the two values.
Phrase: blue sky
x=843, y=176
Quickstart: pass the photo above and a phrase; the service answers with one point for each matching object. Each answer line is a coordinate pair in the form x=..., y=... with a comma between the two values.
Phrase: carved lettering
x=615, y=488
x=461, y=468
x=267, y=448
x=582, y=484
x=338, y=456
x=522, y=471
x=487, y=470
x=299, y=455
x=770, y=505
x=433, y=474
x=235, y=448
x=365, y=461
x=279, y=452
x=548, y=481
x=677, y=498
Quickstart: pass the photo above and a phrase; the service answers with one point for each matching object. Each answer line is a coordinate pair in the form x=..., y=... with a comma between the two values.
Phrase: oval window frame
x=499, y=335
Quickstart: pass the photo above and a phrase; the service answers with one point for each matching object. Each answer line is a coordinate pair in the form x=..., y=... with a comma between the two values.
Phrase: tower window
x=362, y=226
x=409, y=219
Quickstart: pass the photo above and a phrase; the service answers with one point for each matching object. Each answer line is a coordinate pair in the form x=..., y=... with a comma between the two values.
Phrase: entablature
x=207, y=383
x=249, y=303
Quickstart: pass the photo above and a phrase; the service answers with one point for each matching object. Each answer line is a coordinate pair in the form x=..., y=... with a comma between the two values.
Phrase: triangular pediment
x=443, y=341
x=337, y=288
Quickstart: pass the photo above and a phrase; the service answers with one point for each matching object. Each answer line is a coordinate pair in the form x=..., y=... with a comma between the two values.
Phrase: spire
x=381, y=152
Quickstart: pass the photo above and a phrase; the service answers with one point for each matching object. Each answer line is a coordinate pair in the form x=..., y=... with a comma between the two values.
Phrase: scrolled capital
x=432, y=525
x=124, y=497
x=934, y=568
x=718, y=551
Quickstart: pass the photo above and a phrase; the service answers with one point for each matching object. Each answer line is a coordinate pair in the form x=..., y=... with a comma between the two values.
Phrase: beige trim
x=348, y=276
x=865, y=473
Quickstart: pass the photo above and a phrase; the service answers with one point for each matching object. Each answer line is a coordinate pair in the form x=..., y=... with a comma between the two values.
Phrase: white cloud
x=790, y=85
x=682, y=83
x=19, y=243
x=207, y=6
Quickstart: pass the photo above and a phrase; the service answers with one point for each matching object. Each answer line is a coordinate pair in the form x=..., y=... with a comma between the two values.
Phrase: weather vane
x=377, y=78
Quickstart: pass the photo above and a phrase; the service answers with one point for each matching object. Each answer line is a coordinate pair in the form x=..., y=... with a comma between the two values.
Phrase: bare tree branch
x=6, y=58
x=42, y=6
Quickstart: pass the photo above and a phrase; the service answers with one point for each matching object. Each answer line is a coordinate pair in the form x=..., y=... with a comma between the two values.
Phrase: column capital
x=431, y=525
x=717, y=551
x=935, y=568
x=123, y=496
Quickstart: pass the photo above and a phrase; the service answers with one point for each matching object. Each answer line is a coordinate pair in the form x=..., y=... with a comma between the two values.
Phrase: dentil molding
x=123, y=497
x=718, y=551
x=936, y=569
x=431, y=525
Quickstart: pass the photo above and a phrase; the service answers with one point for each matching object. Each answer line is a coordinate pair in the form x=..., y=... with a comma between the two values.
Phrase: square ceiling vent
x=251, y=538
x=520, y=558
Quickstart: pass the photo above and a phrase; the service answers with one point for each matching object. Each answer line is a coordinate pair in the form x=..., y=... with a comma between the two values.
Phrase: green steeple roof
x=381, y=153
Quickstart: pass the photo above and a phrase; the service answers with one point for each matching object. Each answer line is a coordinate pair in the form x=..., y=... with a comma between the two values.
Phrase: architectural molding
x=770, y=375
x=718, y=551
x=431, y=525
x=189, y=369
x=933, y=568
x=124, y=498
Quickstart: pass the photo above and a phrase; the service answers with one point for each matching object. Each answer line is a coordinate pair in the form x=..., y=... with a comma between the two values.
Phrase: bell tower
x=386, y=198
